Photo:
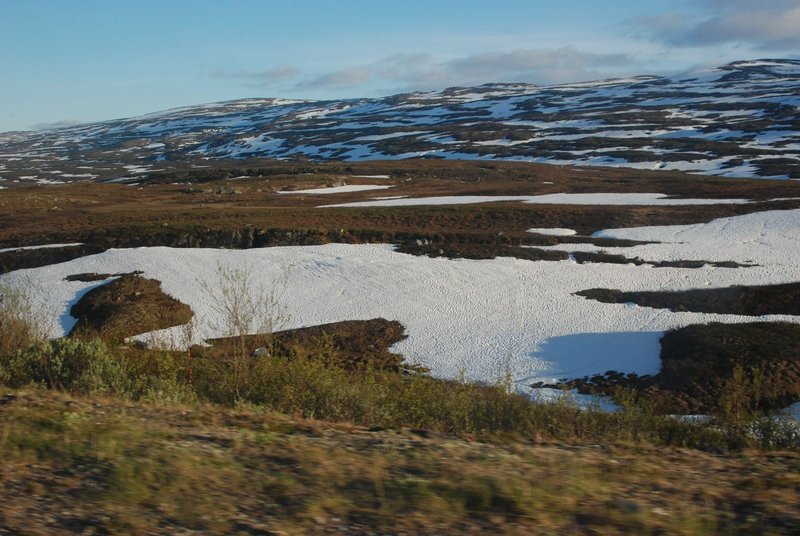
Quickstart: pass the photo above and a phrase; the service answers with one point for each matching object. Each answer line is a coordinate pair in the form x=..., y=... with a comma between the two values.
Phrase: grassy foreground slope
x=77, y=465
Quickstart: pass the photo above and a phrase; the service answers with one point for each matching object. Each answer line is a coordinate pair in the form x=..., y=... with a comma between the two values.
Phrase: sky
x=68, y=62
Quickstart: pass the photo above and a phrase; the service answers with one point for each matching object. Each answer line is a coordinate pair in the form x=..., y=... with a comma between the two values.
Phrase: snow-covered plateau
x=475, y=317
x=738, y=120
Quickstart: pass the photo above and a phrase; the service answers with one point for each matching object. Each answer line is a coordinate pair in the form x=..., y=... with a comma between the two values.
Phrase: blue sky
x=64, y=62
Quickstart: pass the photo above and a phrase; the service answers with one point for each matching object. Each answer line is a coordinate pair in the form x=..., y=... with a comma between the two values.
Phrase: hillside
x=740, y=119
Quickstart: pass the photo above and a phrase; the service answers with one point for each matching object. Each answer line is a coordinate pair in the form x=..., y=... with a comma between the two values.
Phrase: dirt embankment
x=351, y=344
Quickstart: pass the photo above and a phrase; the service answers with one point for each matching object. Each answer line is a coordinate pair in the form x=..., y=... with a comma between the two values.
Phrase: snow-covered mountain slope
x=741, y=119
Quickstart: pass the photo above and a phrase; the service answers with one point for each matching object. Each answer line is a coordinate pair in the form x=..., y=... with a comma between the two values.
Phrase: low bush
x=19, y=326
x=371, y=397
x=94, y=368
x=58, y=364
x=312, y=388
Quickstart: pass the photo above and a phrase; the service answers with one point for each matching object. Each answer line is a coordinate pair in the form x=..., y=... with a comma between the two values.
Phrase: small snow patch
x=338, y=189
x=137, y=169
x=611, y=199
x=557, y=231
x=43, y=246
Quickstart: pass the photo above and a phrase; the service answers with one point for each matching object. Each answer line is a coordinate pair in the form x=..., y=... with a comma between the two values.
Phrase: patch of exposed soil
x=89, y=277
x=352, y=344
x=738, y=300
x=582, y=257
x=129, y=305
x=34, y=258
x=466, y=250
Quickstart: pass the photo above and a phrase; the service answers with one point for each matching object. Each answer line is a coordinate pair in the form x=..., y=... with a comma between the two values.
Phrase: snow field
x=466, y=316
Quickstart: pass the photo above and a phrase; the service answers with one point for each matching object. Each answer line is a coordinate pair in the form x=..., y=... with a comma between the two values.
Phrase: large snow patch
x=470, y=316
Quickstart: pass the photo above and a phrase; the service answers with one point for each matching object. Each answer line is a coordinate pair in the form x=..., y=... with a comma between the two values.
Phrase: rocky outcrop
x=127, y=306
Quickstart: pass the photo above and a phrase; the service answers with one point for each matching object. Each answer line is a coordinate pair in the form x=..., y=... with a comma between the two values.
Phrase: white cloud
x=772, y=25
x=57, y=124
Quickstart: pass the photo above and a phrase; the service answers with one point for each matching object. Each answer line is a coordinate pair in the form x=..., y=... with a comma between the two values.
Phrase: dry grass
x=20, y=325
x=104, y=215
x=67, y=464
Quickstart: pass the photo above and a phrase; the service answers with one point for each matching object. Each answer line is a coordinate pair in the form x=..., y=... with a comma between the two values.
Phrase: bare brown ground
x=112, y=214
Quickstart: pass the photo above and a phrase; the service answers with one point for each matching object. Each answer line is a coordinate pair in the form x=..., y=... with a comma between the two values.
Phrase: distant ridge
x=740, y=119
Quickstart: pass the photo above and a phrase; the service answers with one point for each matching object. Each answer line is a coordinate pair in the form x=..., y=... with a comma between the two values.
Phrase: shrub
x=19, y=325
x=59, y=364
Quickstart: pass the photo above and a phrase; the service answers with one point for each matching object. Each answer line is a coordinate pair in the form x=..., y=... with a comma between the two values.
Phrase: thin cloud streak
x=340, y=79
x=565, y=64
x=422, y=71
x=266, y=77
x=770, y=25
x=57, y=124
